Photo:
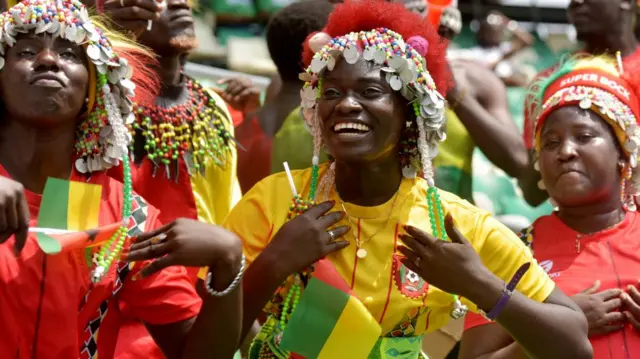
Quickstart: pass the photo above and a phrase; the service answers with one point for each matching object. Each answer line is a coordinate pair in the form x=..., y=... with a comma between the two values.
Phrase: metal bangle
x=231, y=286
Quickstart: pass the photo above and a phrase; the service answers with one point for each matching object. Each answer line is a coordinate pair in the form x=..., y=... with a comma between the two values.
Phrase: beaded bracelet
x=231, y=286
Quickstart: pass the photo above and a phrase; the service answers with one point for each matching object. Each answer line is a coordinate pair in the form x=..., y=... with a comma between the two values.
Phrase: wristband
x=507, y=292
x=231, y=286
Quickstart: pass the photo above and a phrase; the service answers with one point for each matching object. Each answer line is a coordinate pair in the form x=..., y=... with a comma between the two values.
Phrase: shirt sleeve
x=250, y=220
x=503, y=253
x=163, y=298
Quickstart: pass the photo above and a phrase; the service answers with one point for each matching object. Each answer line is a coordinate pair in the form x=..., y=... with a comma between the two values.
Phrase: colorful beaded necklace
x=194, y=131
x=111, y=250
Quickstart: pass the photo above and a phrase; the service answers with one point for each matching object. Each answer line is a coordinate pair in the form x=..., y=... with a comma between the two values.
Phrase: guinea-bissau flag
x=68, y=217
x=329, y=321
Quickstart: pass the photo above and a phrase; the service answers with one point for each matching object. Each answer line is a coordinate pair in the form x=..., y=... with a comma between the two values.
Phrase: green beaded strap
x=111, y=249
x=436, y=217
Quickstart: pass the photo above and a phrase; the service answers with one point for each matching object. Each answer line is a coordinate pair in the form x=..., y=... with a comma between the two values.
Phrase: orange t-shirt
x=50, y=309
x=610, y=256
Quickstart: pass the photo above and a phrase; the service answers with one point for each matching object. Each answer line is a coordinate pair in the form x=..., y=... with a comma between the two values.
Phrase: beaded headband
x=110, y=90
x=405, y=70
x=610, y=97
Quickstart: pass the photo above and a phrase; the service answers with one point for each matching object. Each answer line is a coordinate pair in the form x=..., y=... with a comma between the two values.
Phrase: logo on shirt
x=408, y=282
x=547, y=265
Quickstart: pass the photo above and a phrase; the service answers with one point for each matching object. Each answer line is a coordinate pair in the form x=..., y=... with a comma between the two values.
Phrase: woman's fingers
x=414, y=244
x=319, y=210
x=421, y=236
x=330, y=219
x=409, y=254
x=150, y=251
x=146, y=236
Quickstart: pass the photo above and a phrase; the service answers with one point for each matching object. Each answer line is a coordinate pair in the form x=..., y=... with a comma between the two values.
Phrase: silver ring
x=416, y=262
x=331, y=235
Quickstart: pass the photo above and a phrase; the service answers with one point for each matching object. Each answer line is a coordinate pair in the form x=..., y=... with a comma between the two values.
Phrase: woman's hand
x=601, y=309
x=450, y=266
x=305, y=239
x=189, y=243
x=14, y=213
x=133, y=15
x=240, y=93
x=631, y=303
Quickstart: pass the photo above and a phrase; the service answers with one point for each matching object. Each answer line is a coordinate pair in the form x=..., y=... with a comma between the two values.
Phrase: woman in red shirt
x=66, y=92
x=587, y=141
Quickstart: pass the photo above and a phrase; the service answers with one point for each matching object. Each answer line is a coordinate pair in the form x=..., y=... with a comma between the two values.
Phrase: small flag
x=53, y=241
x=72, y=206
x=329, y=321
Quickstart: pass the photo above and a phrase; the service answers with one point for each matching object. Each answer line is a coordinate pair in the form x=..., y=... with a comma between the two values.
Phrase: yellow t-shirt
x=402, y=303
x=217, y=189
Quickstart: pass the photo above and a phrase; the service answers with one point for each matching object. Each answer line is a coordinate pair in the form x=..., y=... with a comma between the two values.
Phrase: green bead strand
x=438, y=231
x=113, y=247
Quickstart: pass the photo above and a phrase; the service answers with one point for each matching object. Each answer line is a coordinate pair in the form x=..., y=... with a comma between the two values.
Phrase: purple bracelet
x=507, y=292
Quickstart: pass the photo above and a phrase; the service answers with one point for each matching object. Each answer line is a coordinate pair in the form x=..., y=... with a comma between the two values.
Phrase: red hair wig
x=363, y=15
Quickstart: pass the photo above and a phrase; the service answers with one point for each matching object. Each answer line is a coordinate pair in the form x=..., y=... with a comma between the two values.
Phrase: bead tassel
x=113, y=247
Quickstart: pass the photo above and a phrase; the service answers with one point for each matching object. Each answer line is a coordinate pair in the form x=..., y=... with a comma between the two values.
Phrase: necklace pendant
x=361, y=253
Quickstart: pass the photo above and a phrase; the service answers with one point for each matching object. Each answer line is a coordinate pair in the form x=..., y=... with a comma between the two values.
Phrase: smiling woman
x=407, y=256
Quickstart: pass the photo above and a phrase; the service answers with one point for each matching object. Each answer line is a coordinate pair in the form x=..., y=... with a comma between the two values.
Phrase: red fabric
x=254, y=163
x=610, y=256
x=237, y=117
x=631, y=61
x=358, y=15
x=175, y=199
x=590, y=78
x=69, y=303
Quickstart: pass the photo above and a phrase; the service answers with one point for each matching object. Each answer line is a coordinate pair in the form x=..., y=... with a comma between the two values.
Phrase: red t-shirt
x=49, y=308
x=630, y=61
x=254, y=163
x=611, y=256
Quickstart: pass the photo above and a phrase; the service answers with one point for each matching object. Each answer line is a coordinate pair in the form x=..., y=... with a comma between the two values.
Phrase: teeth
x=352, y=126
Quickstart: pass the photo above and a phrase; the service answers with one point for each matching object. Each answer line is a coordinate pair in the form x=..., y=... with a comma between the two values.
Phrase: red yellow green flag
x=329, y=321
x=70, y=206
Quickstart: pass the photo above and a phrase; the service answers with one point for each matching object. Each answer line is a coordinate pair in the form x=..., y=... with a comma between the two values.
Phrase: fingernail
x=629, y=287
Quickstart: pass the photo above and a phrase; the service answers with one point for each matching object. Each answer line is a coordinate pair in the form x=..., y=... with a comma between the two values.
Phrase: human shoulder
x=273, y=194
x=464, y=213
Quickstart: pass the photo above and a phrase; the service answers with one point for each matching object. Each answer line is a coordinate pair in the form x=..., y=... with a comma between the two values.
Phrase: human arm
x=600, y=308
x=240, y=93
x=14, y=213
x=555, y=328
x=520, y=38
x=131, y=15
x=479, y=99
x=210, y=328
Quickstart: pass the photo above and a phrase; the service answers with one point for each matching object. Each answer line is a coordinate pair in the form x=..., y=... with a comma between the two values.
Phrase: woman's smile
x=350, y=131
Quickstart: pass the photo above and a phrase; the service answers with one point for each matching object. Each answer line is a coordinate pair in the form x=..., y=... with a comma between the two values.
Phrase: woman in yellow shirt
x=372, y=101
